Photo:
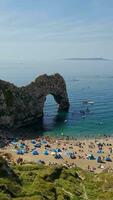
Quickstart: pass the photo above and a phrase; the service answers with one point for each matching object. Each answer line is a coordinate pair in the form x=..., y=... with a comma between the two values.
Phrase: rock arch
x=23, y=105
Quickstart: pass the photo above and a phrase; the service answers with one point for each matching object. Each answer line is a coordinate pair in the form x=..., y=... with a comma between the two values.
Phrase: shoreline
x=69, y=152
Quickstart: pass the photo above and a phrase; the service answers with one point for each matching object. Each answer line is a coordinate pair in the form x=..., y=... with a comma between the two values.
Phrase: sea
x=86, y=80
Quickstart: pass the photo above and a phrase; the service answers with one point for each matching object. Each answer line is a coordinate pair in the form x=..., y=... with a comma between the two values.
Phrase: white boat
x=88, y=102
x=91, y=102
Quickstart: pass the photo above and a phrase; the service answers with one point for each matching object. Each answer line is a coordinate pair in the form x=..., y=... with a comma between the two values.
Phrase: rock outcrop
x=23, y=105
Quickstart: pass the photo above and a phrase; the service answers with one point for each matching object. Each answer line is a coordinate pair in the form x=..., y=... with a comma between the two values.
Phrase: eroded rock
x=23, y=105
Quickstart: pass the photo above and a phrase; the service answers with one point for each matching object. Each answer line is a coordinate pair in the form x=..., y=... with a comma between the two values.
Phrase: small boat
x=83, y=116
x=85, y=102
x=101, y=123
x=82, y=112
x=88, y=102
x=88, y=110
x=91, y=102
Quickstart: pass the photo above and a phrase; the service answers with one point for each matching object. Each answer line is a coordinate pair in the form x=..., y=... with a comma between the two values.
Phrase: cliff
x=23, y=105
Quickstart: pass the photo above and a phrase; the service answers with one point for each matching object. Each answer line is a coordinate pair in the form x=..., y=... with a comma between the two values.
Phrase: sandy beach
x=94, y=155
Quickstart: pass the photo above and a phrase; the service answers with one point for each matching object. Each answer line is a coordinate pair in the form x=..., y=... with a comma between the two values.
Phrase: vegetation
x=36, y=182
x=8, y=97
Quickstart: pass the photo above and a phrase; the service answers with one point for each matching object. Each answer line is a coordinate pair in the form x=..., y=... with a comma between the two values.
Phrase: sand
x=80, y=147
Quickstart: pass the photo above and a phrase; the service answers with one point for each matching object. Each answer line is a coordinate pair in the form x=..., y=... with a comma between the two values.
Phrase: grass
x=34, y=182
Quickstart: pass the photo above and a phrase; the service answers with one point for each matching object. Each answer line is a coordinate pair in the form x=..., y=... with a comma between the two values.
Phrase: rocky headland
x=20, y=106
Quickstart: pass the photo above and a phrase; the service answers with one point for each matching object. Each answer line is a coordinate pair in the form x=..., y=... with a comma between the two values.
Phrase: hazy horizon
x=40, y=31
x=23, y=73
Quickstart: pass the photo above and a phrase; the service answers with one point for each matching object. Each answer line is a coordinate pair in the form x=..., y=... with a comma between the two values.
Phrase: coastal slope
x=33, y=181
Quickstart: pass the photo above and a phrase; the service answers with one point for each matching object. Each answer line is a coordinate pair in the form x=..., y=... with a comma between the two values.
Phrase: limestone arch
x=27, y=102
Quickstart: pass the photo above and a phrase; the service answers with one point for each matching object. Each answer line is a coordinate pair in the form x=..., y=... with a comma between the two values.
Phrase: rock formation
x=23, y=105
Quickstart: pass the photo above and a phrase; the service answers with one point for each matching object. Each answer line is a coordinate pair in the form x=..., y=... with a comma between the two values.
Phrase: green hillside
x=34, y=182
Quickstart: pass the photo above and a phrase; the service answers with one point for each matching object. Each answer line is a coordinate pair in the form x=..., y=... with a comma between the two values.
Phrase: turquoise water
x=100, y=118
x=92, y=80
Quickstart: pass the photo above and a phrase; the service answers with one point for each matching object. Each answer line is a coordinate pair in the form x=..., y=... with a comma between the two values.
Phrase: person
x=110, y=150
x=88, y=167
x=19, y=161
x=62, y=134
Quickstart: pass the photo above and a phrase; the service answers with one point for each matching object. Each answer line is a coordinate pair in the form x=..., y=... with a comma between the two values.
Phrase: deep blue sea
x=85, y=80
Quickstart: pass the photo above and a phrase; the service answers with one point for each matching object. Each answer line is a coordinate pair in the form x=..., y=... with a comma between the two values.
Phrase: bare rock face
x=23, y=105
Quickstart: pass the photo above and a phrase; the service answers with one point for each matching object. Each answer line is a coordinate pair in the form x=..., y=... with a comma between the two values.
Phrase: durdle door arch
x=23, y=105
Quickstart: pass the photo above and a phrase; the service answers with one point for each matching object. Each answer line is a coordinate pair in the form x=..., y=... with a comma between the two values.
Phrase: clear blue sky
x=34, y=30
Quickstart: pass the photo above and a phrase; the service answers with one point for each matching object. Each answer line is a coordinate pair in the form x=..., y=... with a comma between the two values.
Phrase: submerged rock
x=23, y=105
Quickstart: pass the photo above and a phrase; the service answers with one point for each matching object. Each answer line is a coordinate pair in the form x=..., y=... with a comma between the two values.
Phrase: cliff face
x=23, y=105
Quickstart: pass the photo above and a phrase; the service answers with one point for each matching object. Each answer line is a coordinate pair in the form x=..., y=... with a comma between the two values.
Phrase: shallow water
x=92, y=80
x=100, y=118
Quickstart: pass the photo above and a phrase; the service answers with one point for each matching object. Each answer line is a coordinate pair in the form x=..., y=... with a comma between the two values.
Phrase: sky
x=40, y=30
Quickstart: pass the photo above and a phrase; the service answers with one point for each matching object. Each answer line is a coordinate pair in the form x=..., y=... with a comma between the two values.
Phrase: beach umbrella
x=34, y=153
x=90, y=157
x=58, y=156
x=24, y=150
x=58, y=150
x=100, y=151
x=68, y=153
x=46, y=153
x=13, y=143
x=108, y=159
x=54, y=150
x=33, y=141
x=20, y=151
x=38, y=145
x=21, y=145
x=43, y=142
